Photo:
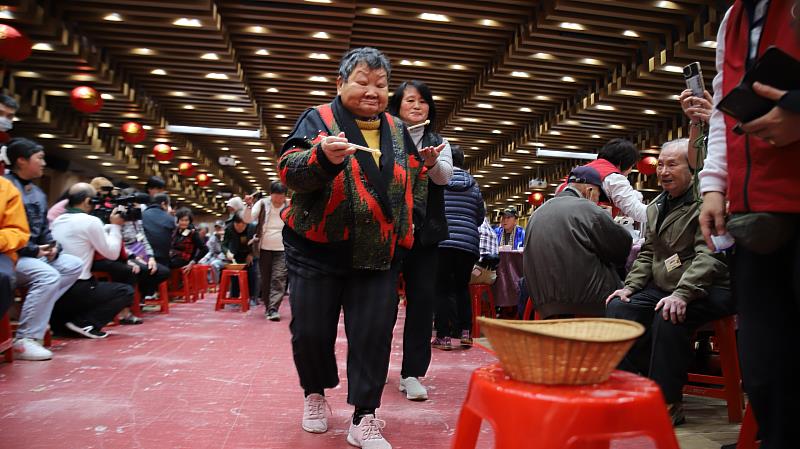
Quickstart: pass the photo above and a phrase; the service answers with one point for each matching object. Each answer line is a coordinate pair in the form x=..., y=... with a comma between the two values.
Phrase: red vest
x=761, y=178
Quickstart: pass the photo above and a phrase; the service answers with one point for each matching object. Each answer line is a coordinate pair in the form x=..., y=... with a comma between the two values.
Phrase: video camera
x=124, y=205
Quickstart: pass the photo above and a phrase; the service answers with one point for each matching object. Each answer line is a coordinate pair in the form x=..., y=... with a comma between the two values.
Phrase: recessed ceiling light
x=497, y=165
x=541, y=55
x=592, y=61
x=667, y=5
x=188, y=106
x=235, y=109
x=483, y=141
x=572, y=26
x=616, y=126
x=253, y=143
x=83, y=77
x=542, y=98
x=650, y=112
x=470, y=119
x=143, y=51
x=595, y=136
x=497, y=93
x=225, y=149
x=458, y=128
x=56, y=93
x=674, y=97
x=271, y=75
x=474, y=148
x=319, y=56
x=273, y=90
x=284, y=135
x=147, y=127
x=106, y=164
x=537, y=144
x=438, y=98
x=434, y=17
x=605, y=107
x=672, y=68
x=554, y=133
x=458, y=67
x=376, y=11
x=158, y=72
x=507, y=123
x=506, y=177
x=258, y=150
x=264, y=158
x=709, y=44
x=568, y=79
x=406, y=62
x=92, y=156
x=319, y=93
x=485, y=106
x=42, y=46
x=262, y=52
x=525, y=109
x=521, y=74
x=162, y=140
x=630, y=33
x=216, y=76
x=631, y=93
x=572, y=122
x=243, y=123
x=319, y=79
x=227, y=97
x=321, y=35
x=113, y=17
x=184, y=22
x=47, y=136
x=489, y=23
x=319, y=1
x=210, y=56
x=132, y=115
x=497, y=131
x=257, y=29
x=104, y=125
x=178, y=94
x=572, y=147
x=67, y=145
x=278, y=106
x=280, y=116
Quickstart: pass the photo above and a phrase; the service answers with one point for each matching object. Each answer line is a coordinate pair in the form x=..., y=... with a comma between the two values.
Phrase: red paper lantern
x=186, y=169
x=536, y=199
x=647, y=166
x=133, y=132
x=14, y=46
x=203, y=179
x=86, y=99
x=162, y=152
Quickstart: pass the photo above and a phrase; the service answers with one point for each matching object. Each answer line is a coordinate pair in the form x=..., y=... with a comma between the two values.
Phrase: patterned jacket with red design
x=355, y=213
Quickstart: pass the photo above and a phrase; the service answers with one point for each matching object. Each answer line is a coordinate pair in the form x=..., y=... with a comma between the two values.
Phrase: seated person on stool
x=187, y=246
x=215, y=256
x=14, y=235
x=159, y=226
x=675, y=285
x=89, y=305
x=573, y=250
x=238, y=245
x=41, y=269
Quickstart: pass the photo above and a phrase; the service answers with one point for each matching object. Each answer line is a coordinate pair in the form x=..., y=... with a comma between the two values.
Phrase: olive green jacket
x=679, y=234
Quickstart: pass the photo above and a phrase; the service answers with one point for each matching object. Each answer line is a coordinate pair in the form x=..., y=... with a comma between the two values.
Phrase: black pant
x=419, y=272
x=6, y=283
x=453, y=304
x=121, y=272
x=369, y=301
x=767, y=288
x=664, y=352
x=89, y=302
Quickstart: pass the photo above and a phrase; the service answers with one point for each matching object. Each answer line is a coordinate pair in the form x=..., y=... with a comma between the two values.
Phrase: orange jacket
x=14, y=232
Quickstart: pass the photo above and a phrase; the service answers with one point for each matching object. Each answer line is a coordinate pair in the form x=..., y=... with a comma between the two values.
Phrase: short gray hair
x=372, y=57
x=682, y=143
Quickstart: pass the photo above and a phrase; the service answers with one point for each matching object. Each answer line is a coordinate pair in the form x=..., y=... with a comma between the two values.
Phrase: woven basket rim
x=545, y=328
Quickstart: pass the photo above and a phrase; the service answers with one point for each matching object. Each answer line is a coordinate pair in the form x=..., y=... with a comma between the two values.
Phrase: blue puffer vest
x=463, y=207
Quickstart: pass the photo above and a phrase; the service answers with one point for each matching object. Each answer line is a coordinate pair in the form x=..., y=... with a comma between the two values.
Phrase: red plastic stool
x=224, y=287
x=729, y=385
x=201, y=279
x=162, y=301
x=476, y=292
x=748, y=434
x=571, y=416
x=529, y=312
x=187, y=291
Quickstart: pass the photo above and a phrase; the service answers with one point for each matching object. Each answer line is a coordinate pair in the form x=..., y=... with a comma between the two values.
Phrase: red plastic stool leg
x=725, y=330
x=244, y=291
x=467, y=429
x=224, y=285
x=527, y=314
x=136, y=307
x=163, y=297
x=748, y=432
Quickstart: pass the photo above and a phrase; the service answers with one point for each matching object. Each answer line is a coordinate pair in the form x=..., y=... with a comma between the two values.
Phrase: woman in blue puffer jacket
x=465, y=212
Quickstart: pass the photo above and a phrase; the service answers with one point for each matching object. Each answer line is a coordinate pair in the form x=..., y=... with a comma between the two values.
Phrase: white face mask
x=5, y=124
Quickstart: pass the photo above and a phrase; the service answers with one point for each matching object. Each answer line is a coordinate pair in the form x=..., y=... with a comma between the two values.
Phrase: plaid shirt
x=488, y=243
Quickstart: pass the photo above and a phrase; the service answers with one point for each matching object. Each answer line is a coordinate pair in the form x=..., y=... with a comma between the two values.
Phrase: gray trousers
x=46, y=282
x=273, y=278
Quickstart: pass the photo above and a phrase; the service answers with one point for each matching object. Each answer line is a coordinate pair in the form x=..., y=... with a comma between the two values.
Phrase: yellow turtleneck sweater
x=371, y=130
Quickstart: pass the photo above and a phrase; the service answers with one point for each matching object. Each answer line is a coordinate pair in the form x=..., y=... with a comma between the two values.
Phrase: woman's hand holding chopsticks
x=430, y=155
x=337, y=148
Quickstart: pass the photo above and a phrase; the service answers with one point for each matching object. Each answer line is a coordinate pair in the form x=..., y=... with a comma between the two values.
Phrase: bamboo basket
x=235, y=266
x=565, y=352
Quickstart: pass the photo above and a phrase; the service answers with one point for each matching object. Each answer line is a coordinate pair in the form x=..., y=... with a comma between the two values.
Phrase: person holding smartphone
x=753, y=166
x=41, y=267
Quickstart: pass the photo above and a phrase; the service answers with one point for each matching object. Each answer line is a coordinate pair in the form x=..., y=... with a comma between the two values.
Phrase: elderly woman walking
x=356, y=175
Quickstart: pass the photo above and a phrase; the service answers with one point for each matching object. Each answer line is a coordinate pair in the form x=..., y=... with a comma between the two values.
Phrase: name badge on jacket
x=672, y=262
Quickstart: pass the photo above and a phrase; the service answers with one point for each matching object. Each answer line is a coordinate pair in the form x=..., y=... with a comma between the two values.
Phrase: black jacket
x=158, y=228
x=463, y=206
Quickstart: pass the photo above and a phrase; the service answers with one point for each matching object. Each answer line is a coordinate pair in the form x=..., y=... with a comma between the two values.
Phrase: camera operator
x=159, y=226
x=40, y=268
x=89, y=305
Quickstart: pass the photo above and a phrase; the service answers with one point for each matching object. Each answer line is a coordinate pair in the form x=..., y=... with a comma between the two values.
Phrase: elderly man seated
x=574, y=250
x=675, y=285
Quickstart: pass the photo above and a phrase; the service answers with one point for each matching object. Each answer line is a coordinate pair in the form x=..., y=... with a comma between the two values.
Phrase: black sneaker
x=86, y=331
x=273, y=315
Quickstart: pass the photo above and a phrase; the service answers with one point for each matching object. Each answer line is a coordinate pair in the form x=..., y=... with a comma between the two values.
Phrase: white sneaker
x=314, y=417
x=413, y=389
x=367, y=434
x=30, y=349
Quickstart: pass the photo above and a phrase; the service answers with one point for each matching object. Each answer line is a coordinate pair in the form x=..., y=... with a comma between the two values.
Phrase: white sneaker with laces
x=314, y=417
x=413, y=389
x=30, y=349
x=367, y=434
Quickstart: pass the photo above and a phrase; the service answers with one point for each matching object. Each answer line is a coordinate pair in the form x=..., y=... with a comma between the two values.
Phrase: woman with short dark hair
x=187, y=247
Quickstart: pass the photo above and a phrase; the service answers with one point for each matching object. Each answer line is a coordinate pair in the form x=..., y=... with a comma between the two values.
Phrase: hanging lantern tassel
x=14, y=46
x=86, y=99
x=162, y=152
x=133, y=132
x=203, y=179
x=186, y=169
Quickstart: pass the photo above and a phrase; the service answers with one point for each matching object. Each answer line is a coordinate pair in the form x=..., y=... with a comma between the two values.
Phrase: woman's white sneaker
x=367, y=433
x=314, y=418
x=413, y=389
x=30, y=349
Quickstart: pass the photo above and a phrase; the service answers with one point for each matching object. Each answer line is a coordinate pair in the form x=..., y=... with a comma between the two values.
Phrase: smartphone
x=693, y=76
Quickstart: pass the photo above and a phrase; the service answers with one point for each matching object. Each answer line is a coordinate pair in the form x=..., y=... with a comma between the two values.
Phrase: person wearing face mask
x=573, y=250
x=8, y=110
